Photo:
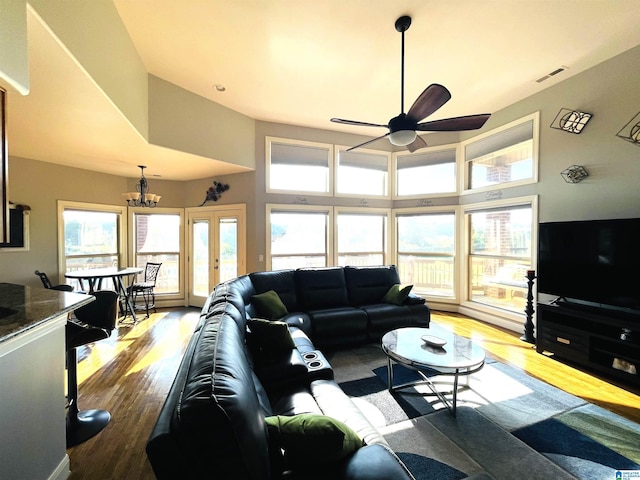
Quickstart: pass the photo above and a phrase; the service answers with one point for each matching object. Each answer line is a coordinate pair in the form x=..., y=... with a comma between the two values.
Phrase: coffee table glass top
x=405, y=345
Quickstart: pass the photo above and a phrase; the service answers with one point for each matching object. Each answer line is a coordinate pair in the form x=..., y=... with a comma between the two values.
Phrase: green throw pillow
x=396, y=295
x=269, y=340
x=269, y=305
x=312, y=439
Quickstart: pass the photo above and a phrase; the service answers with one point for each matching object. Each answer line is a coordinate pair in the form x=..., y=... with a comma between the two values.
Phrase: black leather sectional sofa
x=213, y=423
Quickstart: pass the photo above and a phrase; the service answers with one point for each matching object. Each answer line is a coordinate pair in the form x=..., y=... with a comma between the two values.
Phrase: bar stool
x=95, y=321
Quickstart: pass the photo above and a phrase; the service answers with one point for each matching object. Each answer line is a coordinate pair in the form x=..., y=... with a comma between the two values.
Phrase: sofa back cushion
x=321, y=288
x=281, y=282
x=220, y=419
x=368, y=285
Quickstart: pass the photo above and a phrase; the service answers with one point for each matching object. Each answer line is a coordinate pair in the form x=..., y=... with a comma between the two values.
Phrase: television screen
x=595, y=261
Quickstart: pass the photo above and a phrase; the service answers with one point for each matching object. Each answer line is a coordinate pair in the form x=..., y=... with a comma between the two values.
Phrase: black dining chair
x=147, y=287
x=47, y=283
x=93, y=322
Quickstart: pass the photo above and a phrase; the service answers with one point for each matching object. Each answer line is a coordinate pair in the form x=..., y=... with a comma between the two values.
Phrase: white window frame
x=329, y=234
x=386, y=212
x=451, y=209
x=387, y=187
x=119, y=210
x=493, y=315
x=168, y=299
x=301, y=143
x=465, y=165
x=435, y=149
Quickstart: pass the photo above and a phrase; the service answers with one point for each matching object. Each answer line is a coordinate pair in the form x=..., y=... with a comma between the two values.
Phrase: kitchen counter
x=23, y=308
x=32, y=372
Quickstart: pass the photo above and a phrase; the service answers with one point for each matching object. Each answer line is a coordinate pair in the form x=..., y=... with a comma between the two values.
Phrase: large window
x=504, y=156
x=426, y=172
x=362, y=237
x=500, y=253
x=426, y=244
x=298, y=237
x=297, y=166
x=362, y=172
x=90, y=236
x=157, y=238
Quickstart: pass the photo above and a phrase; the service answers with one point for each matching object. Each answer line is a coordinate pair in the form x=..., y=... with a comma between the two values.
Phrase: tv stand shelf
x=603, y=340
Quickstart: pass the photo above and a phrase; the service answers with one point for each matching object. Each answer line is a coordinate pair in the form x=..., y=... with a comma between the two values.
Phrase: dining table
x=95, y=276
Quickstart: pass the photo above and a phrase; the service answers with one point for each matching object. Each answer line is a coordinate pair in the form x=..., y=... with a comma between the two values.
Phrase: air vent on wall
x=551, y=74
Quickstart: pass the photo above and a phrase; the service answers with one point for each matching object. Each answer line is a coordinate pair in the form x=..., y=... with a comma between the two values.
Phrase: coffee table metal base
x=451, y=405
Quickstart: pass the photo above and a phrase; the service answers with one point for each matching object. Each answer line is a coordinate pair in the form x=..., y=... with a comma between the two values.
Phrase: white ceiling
x=302, y=62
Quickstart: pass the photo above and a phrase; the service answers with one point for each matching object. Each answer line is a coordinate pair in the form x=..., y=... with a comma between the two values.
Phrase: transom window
x=297, y=166
x=426, y=172
x=362, y=172
x=503, y=156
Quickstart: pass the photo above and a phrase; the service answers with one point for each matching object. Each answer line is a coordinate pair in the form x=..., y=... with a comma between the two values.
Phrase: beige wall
x=611, y=191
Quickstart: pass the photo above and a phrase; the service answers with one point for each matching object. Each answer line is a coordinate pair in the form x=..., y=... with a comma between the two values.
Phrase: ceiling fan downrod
x=402, y=25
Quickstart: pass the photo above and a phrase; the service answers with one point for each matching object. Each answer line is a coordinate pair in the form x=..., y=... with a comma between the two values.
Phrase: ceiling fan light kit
x=403, y=129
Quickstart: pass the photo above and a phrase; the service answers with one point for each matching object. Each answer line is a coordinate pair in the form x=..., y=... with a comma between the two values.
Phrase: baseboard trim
x=62, y=471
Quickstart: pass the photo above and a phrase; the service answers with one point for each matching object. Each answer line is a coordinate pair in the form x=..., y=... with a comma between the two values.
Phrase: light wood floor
x=130, y=374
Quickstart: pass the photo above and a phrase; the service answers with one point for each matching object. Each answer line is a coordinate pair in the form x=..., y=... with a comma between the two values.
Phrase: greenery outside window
x=295, y=166
x=362, y=237
x=427, y=172
x=500, y=253
x=298, y=236
x=426, y=249
x=503, y=157
x=362, y=172
x=90, y=236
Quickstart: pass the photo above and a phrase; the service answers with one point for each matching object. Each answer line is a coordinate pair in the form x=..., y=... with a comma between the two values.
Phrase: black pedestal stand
x=528, y=325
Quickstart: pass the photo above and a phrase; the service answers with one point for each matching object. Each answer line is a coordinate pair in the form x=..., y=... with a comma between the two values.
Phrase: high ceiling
x=302, y=62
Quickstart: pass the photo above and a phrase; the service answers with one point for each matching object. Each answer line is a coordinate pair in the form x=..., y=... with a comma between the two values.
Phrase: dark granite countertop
x=23, y=308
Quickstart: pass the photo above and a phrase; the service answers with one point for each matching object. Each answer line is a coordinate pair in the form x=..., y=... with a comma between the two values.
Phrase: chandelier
x=142, y=197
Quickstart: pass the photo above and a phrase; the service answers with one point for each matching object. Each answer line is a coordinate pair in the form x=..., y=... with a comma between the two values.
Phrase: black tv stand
x=603, y=340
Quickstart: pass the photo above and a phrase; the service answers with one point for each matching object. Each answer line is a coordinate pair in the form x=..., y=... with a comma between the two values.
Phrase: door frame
x=212, y=212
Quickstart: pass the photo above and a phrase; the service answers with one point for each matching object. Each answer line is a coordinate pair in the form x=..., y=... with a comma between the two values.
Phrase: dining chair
x=47, y=283
x=146, y=288
x=93, y=322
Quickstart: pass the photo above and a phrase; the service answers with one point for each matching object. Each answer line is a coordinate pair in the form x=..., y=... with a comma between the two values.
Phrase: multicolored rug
x=509, y=425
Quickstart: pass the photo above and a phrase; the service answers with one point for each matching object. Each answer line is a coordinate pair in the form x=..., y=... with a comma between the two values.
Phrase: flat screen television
x=593, y=262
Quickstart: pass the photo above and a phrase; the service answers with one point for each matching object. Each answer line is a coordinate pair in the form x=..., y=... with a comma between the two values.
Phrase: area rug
x=509, y=425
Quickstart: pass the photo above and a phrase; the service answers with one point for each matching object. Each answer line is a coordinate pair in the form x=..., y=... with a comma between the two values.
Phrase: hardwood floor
x=130, y=374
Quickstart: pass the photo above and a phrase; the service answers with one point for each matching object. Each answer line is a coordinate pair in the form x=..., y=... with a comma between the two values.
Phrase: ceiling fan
x=403, y=128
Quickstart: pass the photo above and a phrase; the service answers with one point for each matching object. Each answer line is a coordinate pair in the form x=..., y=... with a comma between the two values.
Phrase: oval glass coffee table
x=442, y=352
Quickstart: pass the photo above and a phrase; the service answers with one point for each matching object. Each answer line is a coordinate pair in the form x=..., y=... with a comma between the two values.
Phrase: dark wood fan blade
x=433, y=97
x=355, y=122
x=417, y=144
x=368, y=142
x=468, y=122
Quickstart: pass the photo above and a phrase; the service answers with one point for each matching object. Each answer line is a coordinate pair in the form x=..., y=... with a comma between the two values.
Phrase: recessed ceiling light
x=219, y=87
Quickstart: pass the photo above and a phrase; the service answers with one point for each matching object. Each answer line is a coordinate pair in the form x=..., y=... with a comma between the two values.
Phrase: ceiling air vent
x=551, y=74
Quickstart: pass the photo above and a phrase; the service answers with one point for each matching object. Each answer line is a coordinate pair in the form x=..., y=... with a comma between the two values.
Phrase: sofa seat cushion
x=293, y=400
x=385, y=317
x=334, y=402
x=318, y=288
x=367, y=285
x=333, y=327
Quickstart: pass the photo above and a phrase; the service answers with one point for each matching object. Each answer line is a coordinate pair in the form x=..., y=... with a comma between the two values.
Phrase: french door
x=216, y=239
